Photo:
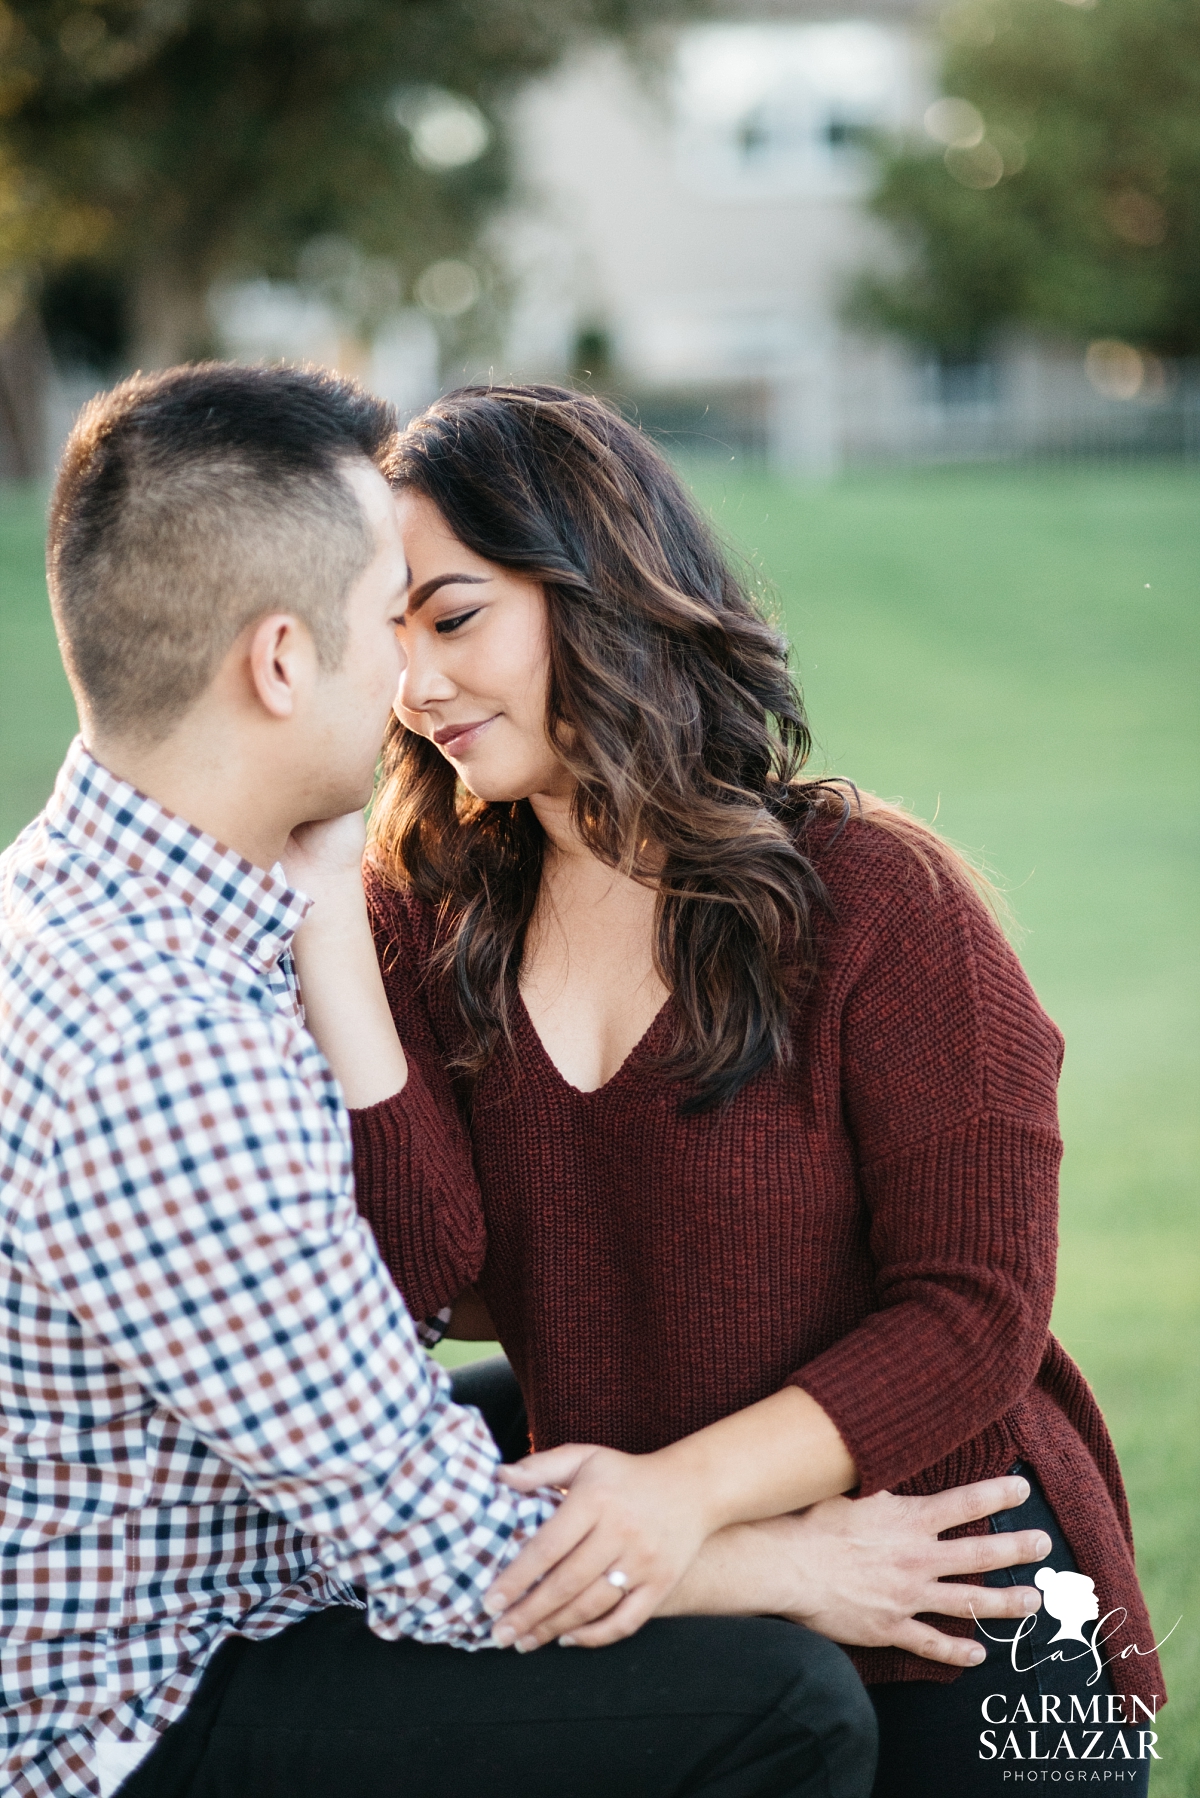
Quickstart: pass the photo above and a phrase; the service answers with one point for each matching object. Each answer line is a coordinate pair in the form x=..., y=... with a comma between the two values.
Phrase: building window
x=769, y=110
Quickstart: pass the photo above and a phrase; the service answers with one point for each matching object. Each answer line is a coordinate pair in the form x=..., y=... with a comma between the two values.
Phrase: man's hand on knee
x=862, y=1571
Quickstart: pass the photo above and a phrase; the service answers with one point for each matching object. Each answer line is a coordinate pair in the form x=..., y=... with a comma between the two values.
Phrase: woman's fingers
x=598, y=1601
x=580, y=1572
x=922, y=1639
x=984, y=1554
x=625, y=1620
x=553, y=1467
x=624, y=1514
x=571, y=1524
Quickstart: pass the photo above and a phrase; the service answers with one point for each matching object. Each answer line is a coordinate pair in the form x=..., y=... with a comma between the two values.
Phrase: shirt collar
x=253, y=910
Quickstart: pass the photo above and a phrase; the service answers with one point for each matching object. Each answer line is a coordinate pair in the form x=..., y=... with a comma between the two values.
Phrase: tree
x=162, y=144
x=1064, y=190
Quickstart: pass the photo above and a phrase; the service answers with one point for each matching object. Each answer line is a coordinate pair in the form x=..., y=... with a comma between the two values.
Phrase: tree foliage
x=174, y=142
x=1065, y=192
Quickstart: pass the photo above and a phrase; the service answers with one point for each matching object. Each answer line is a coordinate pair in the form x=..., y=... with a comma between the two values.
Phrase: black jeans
x=491, y=1386
x=1000, y=1728
x=716, y=1707
x=938, y=1740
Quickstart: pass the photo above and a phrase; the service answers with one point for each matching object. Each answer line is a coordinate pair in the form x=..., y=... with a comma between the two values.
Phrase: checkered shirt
x=214, y=1413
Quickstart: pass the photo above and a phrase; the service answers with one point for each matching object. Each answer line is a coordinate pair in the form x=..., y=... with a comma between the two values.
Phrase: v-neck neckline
x=618, y=1077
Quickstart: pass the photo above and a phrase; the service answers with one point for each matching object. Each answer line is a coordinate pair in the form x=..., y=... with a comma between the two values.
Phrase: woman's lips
x=455, y=739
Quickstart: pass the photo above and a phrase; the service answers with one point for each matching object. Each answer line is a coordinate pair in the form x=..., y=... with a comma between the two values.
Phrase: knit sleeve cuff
x=416, y=1187
x=965, y=1293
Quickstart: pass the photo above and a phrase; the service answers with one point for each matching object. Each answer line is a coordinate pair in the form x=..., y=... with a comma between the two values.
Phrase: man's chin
x=353, y=799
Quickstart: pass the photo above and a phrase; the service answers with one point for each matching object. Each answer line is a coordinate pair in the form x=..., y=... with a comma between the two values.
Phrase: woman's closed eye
x=445, y=626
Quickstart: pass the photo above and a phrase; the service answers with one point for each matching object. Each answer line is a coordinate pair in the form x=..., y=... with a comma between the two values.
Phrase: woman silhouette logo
x=1071, y=1599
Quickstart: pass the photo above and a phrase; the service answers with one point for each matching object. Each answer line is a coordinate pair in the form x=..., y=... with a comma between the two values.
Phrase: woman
x=760, y=1103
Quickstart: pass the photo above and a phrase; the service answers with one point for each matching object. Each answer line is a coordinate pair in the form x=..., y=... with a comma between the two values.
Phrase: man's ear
x=281, y=657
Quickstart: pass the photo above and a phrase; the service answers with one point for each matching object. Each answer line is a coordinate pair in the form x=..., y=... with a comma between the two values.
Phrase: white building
x=685, y=222
x=688, y=227
x=697, y=222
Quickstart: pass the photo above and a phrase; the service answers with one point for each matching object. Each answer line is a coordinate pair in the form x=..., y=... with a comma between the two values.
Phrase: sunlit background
x=912, y=295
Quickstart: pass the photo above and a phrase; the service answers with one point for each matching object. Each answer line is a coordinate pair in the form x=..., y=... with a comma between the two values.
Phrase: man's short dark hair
x=190, y=503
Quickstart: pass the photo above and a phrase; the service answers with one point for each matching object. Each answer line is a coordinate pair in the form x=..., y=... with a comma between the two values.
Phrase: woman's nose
x=423, y=682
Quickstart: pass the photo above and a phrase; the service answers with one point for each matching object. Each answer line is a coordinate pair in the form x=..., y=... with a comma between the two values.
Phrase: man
x=246, y=1532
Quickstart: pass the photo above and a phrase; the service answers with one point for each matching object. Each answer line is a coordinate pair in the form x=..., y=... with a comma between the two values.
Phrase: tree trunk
x=24, y=376
x=171, y=322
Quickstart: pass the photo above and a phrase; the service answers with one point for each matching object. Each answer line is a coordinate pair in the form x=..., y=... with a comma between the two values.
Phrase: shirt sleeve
x=414, y=1174
x=201, y=1226
x=949, y=1072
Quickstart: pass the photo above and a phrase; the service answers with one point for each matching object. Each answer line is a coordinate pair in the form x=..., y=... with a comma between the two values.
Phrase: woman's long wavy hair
x=670, y=702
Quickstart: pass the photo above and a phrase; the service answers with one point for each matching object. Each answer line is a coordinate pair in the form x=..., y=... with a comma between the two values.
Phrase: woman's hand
x=325, y=861
x=861, y=1570
x=645, y=1517
x=624, y=1514
x=345, y=1006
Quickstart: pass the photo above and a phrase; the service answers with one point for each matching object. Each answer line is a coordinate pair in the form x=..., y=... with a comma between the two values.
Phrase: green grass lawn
x=1014, y=651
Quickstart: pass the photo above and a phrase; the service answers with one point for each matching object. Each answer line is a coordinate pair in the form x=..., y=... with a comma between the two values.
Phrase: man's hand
x=860, y=1570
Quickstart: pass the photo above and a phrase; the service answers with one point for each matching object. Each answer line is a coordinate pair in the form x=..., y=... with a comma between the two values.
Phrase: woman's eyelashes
x=445, y=626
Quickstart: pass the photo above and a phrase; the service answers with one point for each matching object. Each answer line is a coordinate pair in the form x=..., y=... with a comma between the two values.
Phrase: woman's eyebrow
x=427, y=589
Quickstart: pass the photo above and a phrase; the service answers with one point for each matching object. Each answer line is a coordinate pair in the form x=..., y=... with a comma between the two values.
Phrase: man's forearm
x=863, y=1570
x=736, y=1574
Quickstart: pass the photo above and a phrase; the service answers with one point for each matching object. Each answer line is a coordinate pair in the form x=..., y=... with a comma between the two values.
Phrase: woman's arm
x=649, y=1516
x=949, y=1072
x=345, y=1006
x=413, y=1173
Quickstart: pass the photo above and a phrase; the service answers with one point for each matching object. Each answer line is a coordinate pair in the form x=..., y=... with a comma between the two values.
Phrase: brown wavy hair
x=670, y=701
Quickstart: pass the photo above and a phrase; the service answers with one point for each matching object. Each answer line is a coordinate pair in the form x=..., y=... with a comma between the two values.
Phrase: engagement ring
x=618, y=1579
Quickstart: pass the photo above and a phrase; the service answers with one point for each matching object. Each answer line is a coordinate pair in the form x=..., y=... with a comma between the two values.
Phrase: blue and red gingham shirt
x=214, y=1412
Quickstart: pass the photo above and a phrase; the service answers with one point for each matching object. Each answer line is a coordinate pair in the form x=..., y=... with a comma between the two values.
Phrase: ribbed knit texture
x=875, y=1222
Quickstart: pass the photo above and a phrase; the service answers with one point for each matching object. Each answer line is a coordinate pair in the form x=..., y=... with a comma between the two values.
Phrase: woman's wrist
x=344, y=1000
x=775, y=1457
x=337, y=908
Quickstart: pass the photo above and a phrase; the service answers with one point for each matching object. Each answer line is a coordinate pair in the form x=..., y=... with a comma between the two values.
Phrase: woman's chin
x=491, y=792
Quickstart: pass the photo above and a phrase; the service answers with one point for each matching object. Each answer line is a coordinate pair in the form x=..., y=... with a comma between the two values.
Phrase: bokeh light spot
x=1136, y=218
x=981, y=166
x=1115, y=369
x=955, y=122
x=445, y=130
x=448, y=289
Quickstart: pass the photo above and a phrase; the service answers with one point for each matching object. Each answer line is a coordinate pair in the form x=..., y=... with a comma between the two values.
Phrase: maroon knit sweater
x=874, y=1222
